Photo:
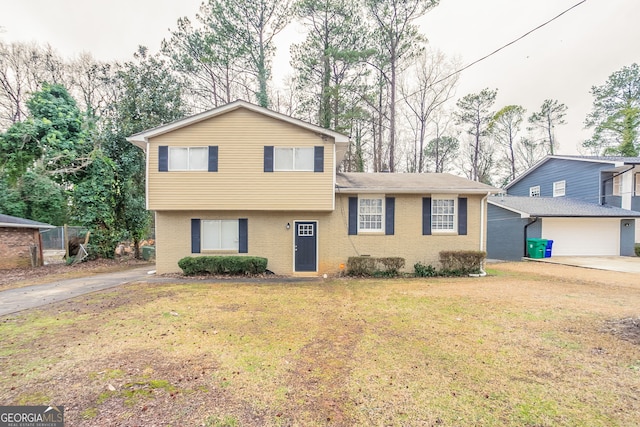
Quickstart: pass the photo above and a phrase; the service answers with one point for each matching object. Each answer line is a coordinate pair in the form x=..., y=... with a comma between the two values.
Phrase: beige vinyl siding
x=241, y=182
x=269, y=237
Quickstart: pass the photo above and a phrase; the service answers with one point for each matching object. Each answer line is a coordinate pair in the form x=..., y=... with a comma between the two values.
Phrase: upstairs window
x=371, y=214
x=638, y=184
x=534, y=191
x=293, y=159
x=559, y=188
x=617, y=185
x=443, y=215
x=188, y=158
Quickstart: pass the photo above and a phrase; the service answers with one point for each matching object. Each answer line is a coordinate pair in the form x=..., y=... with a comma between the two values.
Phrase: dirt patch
x=627, y=329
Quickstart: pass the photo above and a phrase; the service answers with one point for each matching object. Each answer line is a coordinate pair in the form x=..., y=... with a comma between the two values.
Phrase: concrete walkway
x=15, y=300
x=625, y=264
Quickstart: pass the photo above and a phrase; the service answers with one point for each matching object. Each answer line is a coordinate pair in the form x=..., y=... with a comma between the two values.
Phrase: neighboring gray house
x=587, y=204
x=577, y=228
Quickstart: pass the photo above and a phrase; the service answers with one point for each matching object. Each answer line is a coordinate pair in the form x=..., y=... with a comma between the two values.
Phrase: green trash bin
x=536, y=247
x=148, y=252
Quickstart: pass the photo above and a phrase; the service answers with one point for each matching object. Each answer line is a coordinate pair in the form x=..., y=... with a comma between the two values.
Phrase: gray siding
x=505, y=234
x=582, y=179
x=635, y=203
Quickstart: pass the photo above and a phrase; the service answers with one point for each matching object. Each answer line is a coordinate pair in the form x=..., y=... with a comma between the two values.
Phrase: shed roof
x=558, y=207
x=409, y=183
x=15, y=222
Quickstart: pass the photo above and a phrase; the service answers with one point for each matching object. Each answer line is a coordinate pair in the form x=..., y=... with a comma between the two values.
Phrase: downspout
x=483, y=225
x=525, y=234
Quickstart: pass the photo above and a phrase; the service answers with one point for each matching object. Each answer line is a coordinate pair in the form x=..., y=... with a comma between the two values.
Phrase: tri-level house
x=242, y=179
x=587, y=205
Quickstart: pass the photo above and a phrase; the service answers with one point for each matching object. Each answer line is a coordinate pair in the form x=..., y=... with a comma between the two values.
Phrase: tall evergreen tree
x=545, y=121
x=398, y=39
x=250, y=26
x=474, y=114
x=615, y=115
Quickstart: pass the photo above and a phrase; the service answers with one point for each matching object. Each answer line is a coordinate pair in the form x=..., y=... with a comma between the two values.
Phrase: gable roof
x=15, y=222
x=615, y=161
x=558, y=207
x=408, y=183
x=140, y=139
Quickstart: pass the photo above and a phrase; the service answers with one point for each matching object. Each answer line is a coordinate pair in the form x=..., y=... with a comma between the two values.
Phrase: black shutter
x=163, y=158
x=268, y=158
x=243, y=236
x=426, y=216
x=353, y=216
x=389, y=207
x=318, y=159
x=213, y=158
x=195, y=236
x=462, y=216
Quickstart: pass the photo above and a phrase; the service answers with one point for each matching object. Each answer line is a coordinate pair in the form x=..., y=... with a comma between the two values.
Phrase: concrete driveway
x=614, y=263
x=14, y=300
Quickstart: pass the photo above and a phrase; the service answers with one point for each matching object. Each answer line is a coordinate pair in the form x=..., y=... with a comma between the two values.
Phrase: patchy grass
x=511, y=349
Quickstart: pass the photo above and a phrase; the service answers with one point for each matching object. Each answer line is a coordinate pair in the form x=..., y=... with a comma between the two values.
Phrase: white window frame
x=453, y=228
x=205, y=167
x=309, y=167
x=362, y=200
x=534, y=191
x=637, y=184
x=559, y=188
x=617, y=185
x=219, y=223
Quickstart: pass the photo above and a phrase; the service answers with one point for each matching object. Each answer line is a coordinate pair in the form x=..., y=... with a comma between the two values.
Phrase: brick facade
x=15, y=247
x=269, y=237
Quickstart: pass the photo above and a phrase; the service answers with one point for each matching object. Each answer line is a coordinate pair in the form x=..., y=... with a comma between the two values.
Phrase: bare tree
x=425, y=90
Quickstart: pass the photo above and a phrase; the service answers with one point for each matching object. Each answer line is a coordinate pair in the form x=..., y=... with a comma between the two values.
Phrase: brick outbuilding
x=20, y=242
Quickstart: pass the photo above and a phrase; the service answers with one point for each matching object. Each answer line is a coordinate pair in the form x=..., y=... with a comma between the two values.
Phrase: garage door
x=582, y=236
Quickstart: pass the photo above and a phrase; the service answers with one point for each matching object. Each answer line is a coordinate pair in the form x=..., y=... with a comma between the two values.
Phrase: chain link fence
x=53, y=239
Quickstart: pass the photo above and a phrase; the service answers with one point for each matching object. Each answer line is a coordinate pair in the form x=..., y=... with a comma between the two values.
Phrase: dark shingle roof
x=618, y=159
x=559, y=207
x=15, y=222
x=410, y=183
x=613, y=160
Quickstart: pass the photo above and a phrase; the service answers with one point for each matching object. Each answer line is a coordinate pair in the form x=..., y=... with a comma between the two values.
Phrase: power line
x=504, y=46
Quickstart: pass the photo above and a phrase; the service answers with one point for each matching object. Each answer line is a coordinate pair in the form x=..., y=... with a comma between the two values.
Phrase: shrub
x=421, y=270
x=459, y=263
x=371, y=266
x=232, y=265
x=637, y=249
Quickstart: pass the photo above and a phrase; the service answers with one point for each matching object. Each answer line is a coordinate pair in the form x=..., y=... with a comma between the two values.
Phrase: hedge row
x=372, y=266
x=232, y=265
x=454, y=263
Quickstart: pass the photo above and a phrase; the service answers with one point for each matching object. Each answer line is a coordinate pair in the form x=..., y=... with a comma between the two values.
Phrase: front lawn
x=512, y=349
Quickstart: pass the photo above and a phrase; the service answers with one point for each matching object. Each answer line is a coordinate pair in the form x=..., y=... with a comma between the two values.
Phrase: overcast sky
x=560, y=61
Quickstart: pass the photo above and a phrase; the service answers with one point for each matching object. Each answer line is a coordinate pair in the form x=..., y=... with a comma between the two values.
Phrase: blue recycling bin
x=547, y=249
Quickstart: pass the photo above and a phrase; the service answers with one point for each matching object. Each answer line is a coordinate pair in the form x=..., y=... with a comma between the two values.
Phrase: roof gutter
x=34, y=226
x=603, y=200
